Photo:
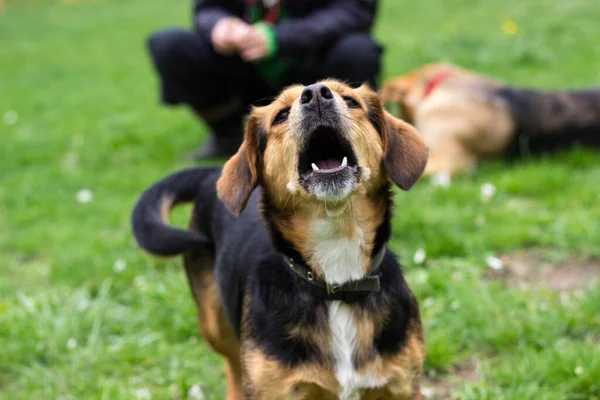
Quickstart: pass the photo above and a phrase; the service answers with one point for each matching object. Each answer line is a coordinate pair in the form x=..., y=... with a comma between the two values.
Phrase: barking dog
x=466, y=117
x=286, y=251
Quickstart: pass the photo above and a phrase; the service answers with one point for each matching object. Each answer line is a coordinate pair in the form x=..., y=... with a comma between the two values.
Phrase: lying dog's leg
x=214, y=327
x=447, y=153
x=452, y=161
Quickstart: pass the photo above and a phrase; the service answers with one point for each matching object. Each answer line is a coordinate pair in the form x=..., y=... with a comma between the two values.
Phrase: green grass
x=73, y=327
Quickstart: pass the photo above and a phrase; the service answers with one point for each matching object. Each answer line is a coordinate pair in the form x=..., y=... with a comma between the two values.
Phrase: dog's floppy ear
x=240, y=177
x=405, y=152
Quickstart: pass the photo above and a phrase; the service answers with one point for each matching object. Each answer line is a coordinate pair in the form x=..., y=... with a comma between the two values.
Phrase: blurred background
x=503, y=260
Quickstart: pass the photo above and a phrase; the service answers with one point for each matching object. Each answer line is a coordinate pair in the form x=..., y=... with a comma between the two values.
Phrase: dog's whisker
x=266, y=99
x=350, y=207
x=351, y=119
x=285, y=204
x=351, y=214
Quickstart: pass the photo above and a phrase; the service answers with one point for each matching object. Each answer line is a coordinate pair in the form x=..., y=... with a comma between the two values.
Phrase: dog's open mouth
x=327, y=158
x=326, y=152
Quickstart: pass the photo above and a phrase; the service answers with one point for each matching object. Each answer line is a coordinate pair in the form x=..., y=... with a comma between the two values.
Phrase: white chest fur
x=342, y=259
x=343, y=347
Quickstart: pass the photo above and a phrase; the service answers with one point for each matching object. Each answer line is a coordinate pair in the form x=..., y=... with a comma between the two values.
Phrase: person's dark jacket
x=311, y=25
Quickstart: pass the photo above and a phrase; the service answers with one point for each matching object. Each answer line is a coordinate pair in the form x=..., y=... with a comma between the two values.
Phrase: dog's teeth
x=314, y=167
x=345, y=161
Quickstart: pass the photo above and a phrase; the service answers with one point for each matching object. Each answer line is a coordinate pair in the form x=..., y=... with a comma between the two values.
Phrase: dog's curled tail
x=150, y=216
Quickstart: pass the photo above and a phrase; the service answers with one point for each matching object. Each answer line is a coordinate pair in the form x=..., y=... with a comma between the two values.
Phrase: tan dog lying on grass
x=466, y=117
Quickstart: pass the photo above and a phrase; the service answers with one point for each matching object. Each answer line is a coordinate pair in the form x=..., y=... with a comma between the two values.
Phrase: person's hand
x=227, y=34
x=254, y=45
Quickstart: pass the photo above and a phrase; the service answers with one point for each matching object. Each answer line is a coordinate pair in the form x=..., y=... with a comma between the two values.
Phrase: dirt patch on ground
x=526, y=270
x=441, y=387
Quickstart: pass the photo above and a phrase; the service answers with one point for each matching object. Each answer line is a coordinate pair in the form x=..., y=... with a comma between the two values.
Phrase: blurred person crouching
x=243, y=51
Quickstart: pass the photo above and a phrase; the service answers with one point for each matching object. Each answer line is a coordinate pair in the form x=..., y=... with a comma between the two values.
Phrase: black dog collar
x=344, y=292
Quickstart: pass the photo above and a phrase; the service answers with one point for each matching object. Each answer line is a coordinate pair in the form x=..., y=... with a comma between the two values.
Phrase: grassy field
x=84, y=314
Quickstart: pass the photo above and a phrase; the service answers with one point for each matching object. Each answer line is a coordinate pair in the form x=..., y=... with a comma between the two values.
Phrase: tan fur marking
x=166, y=204
x=270, y=380
x=214, y=327
x=403, y=369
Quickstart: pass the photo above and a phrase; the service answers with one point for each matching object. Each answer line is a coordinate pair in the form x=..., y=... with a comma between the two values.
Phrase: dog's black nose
x=317, y=93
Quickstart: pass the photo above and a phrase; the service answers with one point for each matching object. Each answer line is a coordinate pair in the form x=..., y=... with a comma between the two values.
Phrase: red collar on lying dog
x=434, y=82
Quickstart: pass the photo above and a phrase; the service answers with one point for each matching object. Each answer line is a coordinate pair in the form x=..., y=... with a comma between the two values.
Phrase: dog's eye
x=281, y=116
x=351, y=102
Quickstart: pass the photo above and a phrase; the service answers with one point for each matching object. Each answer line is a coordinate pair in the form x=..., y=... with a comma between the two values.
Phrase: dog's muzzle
x=327, y=163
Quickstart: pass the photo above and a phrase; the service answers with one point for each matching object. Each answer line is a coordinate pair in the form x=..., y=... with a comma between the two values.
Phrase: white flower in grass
x=140, y=281
x=135, y=380
x=457, y=277
x=26, y=301
x=487, y=191
x=441, y=179
x=195, y=393
x=565, y=298
x=11, y=117
x=579, y=370
x=480, y=221
x=494, y=263
x=428, y=392
x=428, y=302
x=84, y=196
x=83, y=304
x=119, y=265
x=142, y=394
x=419, y=256
x=421, y=276
x=72, y=343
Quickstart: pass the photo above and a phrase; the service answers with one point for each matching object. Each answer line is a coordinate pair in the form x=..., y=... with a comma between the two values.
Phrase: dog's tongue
x=328, y=164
